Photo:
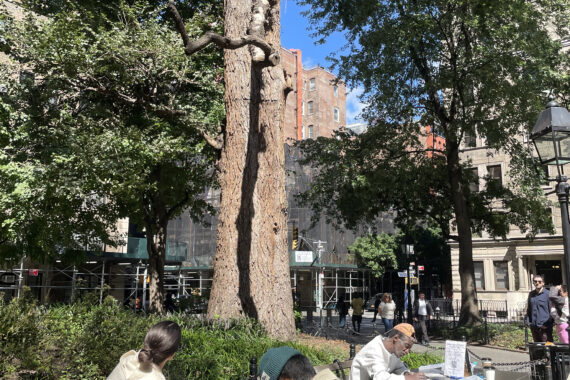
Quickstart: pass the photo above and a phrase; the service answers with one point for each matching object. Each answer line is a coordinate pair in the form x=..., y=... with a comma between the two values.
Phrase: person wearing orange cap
x=380, y=358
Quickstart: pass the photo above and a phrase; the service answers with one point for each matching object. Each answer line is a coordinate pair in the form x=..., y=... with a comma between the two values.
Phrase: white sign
x=303, y=256
x=402, y=274
x=454, y=358
x=412, y=272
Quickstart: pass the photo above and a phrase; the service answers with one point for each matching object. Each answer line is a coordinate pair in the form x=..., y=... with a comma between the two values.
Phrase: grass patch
x=506, y=335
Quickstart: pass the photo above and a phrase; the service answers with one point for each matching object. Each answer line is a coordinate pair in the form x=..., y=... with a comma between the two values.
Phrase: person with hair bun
x=160, y=344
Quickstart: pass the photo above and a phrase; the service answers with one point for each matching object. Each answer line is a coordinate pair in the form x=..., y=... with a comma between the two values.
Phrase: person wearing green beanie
x=285, y=363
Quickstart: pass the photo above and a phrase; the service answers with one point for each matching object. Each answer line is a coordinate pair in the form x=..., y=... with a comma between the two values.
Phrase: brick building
x=317, y=105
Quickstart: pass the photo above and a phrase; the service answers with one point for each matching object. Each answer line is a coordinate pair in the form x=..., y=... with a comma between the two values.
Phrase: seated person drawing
x=380, y=358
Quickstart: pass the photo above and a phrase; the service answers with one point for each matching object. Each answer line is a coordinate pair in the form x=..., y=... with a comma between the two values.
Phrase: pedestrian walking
x=357, y=311
x=376, y=304
x=342, y=309
x=538, y=312
x=559, y=311
x=387, y=308
x=422, y=312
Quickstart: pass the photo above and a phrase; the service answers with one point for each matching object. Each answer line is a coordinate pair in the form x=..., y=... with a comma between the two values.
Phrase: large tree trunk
x=469, y=310
x=251, y=269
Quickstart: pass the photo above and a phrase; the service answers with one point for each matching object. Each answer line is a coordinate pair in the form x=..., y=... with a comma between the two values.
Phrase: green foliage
x=416, y=360
x=463, y=68
x=19, y=333
x=376, y=252
x=85, y=341
x=87, y=125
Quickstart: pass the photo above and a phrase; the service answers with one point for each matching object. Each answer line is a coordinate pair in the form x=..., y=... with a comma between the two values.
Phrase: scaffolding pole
x=21, y=277
x=144, y=288
x=336, y=283
x=73, y=283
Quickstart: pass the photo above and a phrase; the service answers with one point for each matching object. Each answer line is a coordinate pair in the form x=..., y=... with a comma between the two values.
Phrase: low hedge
x=85, y=340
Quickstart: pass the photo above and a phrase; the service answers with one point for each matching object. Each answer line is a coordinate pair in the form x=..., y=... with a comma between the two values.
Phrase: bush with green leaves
x=416, y=360
x=85, y=340
x=19, y=333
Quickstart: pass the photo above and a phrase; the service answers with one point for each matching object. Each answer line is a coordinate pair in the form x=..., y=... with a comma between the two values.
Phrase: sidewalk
x=370, y=330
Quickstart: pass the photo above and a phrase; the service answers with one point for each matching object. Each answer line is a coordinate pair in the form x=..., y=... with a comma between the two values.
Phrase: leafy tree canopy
x=462, y=68
x=459, y=67
x=108, y=120
x=376, y=252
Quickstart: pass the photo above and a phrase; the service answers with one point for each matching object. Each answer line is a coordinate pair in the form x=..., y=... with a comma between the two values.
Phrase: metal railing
x=448, y=311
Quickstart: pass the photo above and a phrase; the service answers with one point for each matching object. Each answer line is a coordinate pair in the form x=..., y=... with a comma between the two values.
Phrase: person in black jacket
x=376, y=304
x=422, y=312
x=538, y=312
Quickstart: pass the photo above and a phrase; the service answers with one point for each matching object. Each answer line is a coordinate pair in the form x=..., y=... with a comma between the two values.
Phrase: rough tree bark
x=251, y=269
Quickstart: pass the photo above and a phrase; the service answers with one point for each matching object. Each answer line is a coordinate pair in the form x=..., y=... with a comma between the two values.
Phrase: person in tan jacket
x=160, y=344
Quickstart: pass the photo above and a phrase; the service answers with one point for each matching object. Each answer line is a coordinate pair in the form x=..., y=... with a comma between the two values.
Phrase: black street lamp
x=551, y=137
x=408, y=250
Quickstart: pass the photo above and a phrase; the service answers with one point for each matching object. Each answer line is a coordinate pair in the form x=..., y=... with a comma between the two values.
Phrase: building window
x=302, y=108
x=310, y=107
x=501, y=275
x=473, y=180
x=470, y=140
x=310, y=130
x=303, y=132
x=335, y=89
x=495, y=174
x=479, y=275
x=336, y=114
x=312, y=84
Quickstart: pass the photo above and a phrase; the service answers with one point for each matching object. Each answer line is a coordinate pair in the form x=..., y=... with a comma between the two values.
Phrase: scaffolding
x=124, y=281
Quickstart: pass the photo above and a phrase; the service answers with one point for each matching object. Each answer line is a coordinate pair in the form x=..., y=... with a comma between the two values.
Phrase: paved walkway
x=370, y=330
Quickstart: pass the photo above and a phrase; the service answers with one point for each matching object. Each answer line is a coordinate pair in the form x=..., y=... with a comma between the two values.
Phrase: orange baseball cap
x=406, y=329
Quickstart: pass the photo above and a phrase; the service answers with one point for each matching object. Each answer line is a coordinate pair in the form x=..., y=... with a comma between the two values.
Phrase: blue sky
x=294, y=35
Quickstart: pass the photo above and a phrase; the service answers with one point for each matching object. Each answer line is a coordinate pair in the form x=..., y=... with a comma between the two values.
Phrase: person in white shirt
x=386, y=309
x=422, y=313
x=380, y=358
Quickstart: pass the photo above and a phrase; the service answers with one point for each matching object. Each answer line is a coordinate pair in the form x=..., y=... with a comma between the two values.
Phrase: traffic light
x=295, y=242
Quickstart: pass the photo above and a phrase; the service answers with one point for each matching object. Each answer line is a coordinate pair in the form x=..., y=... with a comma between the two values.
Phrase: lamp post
x=551, y=137
x=408, y=250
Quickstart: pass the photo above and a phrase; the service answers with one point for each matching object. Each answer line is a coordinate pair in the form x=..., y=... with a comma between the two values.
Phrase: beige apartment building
x=504, y=268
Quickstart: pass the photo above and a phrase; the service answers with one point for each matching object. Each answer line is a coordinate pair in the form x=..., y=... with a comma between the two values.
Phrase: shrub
x=19, y=334
x=416, y=360
x=85, y=341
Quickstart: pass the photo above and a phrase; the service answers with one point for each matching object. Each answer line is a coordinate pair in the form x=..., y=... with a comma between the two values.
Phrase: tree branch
x=191, y=47
x=215, y=142
x=178, y=205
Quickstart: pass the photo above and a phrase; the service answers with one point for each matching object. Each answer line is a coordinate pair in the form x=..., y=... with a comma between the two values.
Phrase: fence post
x=252, y=368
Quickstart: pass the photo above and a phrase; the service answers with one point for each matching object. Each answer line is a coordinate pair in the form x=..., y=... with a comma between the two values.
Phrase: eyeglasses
x=537, y=282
